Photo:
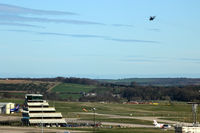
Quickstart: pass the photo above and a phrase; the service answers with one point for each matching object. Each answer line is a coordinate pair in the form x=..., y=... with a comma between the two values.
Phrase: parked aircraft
x=160, y=125
x=15, y=109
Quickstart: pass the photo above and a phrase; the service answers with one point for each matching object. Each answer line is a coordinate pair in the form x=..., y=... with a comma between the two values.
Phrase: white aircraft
x=160, y=125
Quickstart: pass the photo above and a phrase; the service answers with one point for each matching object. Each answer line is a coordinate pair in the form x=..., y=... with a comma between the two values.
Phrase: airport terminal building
x=36, y=111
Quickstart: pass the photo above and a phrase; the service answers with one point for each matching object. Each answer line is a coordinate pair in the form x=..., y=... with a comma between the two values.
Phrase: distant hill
x=154, y=81
x=81, y=89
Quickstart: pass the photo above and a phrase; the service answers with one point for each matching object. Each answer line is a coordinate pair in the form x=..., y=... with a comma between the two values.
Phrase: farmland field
x=71, y=91
x=72, y=88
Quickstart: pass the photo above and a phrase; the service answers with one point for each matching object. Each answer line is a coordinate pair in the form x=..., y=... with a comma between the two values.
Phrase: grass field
x=177, y=111
x=125, y=130
x=72, y=88
x=133, y=130
x=71, y=109
x=72, y=91
x=116, y=120
x=69, y=96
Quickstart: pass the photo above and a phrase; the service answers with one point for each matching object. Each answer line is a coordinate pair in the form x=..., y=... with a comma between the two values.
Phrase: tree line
x=173, y=93
x=85, y=81
x=106, y=91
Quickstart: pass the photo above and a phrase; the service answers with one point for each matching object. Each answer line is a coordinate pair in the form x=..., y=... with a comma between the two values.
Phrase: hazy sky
x=99, y=38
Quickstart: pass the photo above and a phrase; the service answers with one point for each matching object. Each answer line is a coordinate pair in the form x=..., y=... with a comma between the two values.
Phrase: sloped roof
x=34, y=121
x=37, y=104
x=42, y=109
x=45, y=115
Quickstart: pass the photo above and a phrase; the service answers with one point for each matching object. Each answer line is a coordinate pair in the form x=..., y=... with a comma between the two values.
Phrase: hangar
x=5, y=108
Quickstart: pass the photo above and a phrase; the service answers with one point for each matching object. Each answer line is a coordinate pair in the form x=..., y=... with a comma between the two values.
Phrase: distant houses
x=91, y=95
x=141, y=102
x=88, y=94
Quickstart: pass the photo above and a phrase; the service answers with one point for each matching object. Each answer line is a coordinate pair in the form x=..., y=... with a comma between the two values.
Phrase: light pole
x=42, y=119
x=94, y=119
x=194, y=112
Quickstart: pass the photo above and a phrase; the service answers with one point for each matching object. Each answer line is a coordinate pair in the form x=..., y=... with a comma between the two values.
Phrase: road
x=9, y=129
x=148, y=118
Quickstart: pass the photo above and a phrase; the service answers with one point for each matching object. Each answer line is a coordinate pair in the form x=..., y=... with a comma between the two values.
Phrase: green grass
x=116, y=120
x=176, y=111
x=72, y=88
x=14, y=100
x=133, y=130
x=69, y=96
x=162, y=108
x=186, y=118
x=112, y=129
x=20, y=94
x=71, y=91
x=71, y=109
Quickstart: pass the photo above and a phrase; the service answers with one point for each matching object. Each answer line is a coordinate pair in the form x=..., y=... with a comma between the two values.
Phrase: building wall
x=5, y=108
x=187, y=130
x=8, y=107
x=0, y=110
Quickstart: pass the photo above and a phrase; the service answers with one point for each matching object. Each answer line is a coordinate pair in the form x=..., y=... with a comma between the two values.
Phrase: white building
x=186, y=129
x=37, y=111
x=5, y=108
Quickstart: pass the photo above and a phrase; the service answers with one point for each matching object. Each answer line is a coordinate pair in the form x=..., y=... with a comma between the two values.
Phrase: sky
x=100, y=38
